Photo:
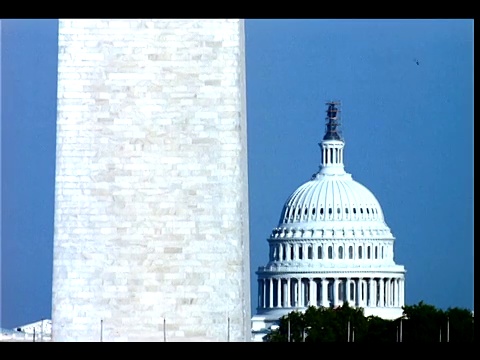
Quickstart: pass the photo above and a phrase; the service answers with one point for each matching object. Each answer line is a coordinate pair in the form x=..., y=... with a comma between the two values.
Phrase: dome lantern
x=332, y=143
x=333, y=122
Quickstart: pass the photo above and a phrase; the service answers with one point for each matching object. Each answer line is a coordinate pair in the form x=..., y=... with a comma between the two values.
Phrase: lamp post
x=228, y=329
x=401, y=330
x=304, y=332
x=348, y=331
x=164, y=330
x=288, y=335
x=448, y=329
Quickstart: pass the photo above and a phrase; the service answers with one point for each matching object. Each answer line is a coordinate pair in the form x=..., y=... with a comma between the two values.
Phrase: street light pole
x=448, y=329
x=348, y=331
x=288, y=336
x=228, y=329
x=304, y=332
x=400, y=330
x=164, y=330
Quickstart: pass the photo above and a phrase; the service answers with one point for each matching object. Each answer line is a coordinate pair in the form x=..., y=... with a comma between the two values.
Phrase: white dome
x=331, y=198
x=330, y=245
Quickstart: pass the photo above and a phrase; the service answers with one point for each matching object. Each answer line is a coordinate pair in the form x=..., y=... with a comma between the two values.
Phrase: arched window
x=350, y=252
x=368, y=252
x=319, y=254
x=330, y=252
x=340, y=252
x=360, y=252
x=300, y=252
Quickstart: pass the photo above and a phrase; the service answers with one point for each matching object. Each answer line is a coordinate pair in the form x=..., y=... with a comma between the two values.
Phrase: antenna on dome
x=333, y=121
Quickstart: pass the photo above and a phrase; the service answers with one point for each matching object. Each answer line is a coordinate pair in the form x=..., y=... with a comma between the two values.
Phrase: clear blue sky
x=408, y=131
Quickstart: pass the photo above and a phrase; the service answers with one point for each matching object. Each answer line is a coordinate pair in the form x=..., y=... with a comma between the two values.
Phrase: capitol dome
x=331, y=245
x=323, y=199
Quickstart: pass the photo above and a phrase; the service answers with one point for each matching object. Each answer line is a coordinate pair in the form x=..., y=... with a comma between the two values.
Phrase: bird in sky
x=416, y=61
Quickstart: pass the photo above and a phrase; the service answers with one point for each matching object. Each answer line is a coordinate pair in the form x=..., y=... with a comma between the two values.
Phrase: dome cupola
x=331, y=197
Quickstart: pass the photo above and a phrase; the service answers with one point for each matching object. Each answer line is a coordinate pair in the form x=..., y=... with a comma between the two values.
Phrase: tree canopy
x=419, y=323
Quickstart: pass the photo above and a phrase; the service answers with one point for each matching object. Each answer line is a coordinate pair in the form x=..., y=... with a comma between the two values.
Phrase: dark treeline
x=419, y=323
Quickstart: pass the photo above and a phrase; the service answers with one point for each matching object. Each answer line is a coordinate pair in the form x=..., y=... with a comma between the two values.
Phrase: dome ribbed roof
x=331, y=198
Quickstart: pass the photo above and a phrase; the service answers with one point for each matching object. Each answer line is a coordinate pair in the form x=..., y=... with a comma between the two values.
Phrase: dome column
x=289, y=293
x=397, y=292
x=374, y=292
x=358, y=298
x=285, y=288
x=279, y=292
x=402, y=292
x=325, y=293
x=264, y=293
x=370, y=292
x=259, y=291
x=388, y=293
x=313, y=292
x=393, y=292
x=270, y=295
x=347, y=290
x=382, y=293
x=299, y=293
x=335, y=291
x=364, y=293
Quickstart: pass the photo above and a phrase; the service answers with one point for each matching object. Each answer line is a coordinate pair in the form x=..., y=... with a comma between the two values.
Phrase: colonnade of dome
x=301, y=291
